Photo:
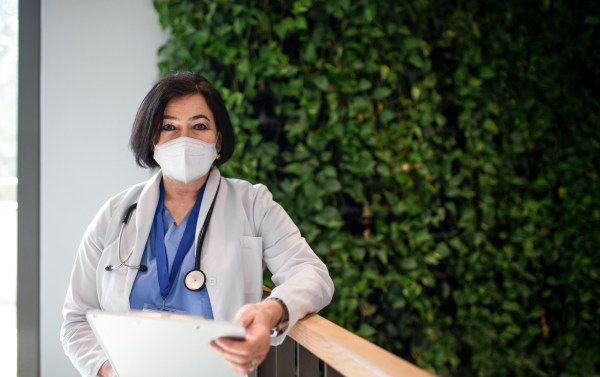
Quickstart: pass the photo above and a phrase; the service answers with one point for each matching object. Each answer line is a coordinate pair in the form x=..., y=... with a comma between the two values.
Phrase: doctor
x=194, y=242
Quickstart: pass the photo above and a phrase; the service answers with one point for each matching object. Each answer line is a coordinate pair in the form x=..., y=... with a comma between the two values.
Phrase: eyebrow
x=199, y=116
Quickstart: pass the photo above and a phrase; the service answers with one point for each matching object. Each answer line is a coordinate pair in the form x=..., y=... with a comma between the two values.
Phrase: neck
x=177, y=191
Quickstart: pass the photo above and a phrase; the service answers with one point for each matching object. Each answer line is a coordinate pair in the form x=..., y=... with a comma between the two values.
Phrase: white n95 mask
x=185, y=159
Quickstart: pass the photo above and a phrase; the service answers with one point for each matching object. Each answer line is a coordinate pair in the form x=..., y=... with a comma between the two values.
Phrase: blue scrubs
x=146, y=289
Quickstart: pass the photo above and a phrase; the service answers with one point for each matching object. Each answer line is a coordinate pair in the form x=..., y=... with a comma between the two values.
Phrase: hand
x=105, y=370
x=258, y=319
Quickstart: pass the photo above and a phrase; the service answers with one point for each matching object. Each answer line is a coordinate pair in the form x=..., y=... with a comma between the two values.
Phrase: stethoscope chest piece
x=195, y=280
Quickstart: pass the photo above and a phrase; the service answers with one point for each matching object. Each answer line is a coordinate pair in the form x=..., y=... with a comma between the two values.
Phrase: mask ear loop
x=218, y=152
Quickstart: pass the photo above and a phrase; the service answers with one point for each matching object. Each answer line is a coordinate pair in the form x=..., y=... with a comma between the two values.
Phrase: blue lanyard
x=165, y=281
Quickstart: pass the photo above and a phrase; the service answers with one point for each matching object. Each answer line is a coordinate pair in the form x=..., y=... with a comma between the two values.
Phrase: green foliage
x=440, y=158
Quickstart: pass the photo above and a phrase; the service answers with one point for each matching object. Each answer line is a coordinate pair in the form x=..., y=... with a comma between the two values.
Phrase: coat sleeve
x=78, y=339
x=302, y=279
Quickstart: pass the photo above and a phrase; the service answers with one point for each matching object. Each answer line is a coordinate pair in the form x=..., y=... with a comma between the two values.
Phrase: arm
x=78, y=339
x=302, y=280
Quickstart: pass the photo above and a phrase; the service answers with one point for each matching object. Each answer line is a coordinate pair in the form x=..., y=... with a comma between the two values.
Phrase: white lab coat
x=247, y=232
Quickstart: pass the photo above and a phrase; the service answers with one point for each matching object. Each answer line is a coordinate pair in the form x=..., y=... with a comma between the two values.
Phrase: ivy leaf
x=386, y=115
x=412, y=43
x=365, y=331
x=301, y=6
x=321, y=82
x=333, y=185
x=293, y=168
x=224, y=29
x=489, y=125
x=383, y=256
x=322, y=249
x=381, y=93
x=364, y=84
x=466, y=218
x=311, y=53
x=493, y=108
x=301, y=23
x=428, y=281
x=408, y=264
x=510, y=306
x=310, y=189
x=237, y=26
x=442, y=251
x=384, y=155
x=416, y=60
x=183, y=52
x=383, y=170
x=201, y=37
x=486, y=73
x=280, y=29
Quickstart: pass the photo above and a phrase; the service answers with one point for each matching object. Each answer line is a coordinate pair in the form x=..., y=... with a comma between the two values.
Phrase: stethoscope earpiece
x=141, y=267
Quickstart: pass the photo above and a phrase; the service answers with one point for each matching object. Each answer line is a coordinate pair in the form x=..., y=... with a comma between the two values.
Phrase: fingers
x=241, y=369
x=251, y=346
x=232, y=357
x=240, y=364
x=239, y=354
x=236, y=347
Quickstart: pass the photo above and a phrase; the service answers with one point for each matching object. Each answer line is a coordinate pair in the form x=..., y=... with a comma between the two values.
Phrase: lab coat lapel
x=213, y=245
x=209, y=194
x=144, y=215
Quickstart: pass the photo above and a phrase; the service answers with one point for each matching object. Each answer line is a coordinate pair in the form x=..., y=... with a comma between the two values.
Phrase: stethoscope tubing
x=204, y=229
x=199, y=242
x=124, y=262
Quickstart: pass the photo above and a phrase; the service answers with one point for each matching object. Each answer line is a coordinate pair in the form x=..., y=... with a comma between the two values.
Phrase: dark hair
x=148, y=120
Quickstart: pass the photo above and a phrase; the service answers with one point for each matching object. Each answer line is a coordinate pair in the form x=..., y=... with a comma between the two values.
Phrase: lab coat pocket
x=253, y=267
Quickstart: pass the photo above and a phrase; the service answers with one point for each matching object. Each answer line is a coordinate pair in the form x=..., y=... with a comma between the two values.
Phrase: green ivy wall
x=440, y=157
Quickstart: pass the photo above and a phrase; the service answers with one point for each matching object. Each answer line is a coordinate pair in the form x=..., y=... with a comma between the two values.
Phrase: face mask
x=185, y=159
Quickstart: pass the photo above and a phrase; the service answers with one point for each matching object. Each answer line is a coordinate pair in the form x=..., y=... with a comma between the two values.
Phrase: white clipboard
x=163, y=344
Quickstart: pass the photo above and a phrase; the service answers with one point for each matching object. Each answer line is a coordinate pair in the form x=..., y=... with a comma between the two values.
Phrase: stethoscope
x=195, y=279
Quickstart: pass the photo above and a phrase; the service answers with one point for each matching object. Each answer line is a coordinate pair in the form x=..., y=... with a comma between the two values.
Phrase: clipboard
x=163, y=344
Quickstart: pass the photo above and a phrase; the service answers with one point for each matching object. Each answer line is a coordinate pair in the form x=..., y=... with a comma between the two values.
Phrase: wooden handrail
x=345, y=352
x=266, y=292
x=348, y=353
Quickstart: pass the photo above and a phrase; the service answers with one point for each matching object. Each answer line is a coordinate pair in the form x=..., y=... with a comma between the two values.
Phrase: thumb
x=245, y=315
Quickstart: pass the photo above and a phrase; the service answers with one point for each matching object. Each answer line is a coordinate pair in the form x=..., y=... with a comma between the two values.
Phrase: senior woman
x=183, y=126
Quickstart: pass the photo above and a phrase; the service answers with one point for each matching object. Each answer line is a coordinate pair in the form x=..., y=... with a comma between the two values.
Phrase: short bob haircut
x=148, y=120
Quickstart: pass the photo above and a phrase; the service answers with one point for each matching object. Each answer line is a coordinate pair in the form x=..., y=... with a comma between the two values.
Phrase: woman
x=183, y=126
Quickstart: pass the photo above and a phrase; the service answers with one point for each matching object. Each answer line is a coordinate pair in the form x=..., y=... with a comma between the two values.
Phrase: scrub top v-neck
x=146, y=289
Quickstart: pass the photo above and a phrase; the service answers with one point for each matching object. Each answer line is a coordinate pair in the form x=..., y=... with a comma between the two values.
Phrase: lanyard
x=165, y=281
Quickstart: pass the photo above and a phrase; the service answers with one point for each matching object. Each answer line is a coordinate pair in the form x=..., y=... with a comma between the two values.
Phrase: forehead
x=191, y=104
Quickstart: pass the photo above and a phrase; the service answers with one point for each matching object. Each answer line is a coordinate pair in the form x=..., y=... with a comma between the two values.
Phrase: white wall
x=98, y=62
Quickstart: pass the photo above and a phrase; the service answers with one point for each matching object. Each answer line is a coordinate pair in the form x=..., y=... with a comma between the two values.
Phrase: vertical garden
x=442, y=158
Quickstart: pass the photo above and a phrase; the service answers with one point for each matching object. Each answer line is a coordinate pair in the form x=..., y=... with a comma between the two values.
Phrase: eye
x=200, y=126
x=168, y=127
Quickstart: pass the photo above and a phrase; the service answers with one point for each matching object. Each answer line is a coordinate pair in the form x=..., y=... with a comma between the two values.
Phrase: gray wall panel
x=98, y=60
x=28, y=191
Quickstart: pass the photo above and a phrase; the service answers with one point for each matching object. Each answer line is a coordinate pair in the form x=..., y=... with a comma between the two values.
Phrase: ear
x=219, y=138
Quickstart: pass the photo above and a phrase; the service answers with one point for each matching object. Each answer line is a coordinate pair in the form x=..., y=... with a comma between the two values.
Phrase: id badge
x=159, y=308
